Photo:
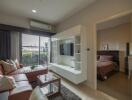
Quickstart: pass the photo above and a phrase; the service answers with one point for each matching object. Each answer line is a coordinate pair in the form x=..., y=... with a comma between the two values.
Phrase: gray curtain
x=5, y=44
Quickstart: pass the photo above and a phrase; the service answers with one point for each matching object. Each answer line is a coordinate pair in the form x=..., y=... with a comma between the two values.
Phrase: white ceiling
x=114, y=22
x=50, y=11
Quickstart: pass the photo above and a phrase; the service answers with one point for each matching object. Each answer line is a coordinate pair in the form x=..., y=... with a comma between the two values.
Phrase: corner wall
x=131, y=28
x=98, y=11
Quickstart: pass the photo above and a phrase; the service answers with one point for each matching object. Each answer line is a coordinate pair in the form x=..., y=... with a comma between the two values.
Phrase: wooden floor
x=117, y=86
x=84, y=92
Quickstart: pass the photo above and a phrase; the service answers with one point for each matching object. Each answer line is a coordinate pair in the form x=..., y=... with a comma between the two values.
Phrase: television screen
x=67, y=49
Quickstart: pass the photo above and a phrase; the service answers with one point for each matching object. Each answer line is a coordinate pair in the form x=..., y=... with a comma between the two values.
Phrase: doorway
x=112, y=38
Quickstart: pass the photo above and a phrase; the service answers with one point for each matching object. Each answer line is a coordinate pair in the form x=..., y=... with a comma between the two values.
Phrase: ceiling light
x=34, y=11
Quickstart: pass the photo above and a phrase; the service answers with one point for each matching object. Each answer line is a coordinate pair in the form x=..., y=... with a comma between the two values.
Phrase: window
x=34, y=50
x=44, y=48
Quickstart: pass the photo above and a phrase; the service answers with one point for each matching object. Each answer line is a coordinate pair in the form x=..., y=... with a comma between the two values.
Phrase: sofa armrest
x=20, y=93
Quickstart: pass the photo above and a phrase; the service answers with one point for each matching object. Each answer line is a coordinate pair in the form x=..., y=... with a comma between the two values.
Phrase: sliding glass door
x=34, y=50
x=44, y=48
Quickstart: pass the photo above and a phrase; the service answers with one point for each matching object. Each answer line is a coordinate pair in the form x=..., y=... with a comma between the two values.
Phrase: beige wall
x=131, y=28
x=98, y=11
x=14, y=20
x=116, y=39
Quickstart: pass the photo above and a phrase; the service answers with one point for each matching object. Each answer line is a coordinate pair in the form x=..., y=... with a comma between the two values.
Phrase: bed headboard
x=114, y=53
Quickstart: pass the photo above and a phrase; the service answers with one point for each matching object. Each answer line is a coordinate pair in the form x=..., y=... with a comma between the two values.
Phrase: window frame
x=20, y=46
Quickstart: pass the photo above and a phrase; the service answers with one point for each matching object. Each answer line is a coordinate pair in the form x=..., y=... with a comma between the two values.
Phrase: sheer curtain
x=15, y=45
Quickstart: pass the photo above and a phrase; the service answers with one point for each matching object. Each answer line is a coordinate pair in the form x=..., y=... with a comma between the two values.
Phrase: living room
x=45, y=42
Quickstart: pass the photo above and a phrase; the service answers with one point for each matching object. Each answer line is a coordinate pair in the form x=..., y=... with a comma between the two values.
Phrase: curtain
x=5, y=45
x=15, y=45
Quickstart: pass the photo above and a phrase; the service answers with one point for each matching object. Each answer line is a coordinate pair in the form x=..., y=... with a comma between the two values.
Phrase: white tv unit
x=77, y=72
x=67, y=72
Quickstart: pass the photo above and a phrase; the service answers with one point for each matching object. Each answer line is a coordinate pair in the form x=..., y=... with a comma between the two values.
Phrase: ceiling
x=50, y=11
x=114, y=22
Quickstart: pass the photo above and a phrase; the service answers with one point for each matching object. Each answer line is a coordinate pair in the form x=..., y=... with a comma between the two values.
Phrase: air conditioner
x=42, y=26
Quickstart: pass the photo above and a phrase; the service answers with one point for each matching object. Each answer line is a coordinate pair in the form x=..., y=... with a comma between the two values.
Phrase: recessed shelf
x=78, y=62
x=77, y=44
x=77, y=53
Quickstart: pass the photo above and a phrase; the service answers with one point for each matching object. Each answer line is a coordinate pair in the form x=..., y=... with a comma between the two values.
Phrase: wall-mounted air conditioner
x=42, y=26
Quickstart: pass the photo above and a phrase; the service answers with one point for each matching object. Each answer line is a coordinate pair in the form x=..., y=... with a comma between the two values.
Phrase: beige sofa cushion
x=37, y=95
x=7, y=83
x=19, y=77
x=1, y=76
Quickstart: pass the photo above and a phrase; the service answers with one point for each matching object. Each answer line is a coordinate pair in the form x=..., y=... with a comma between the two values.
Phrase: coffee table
x=50, y=85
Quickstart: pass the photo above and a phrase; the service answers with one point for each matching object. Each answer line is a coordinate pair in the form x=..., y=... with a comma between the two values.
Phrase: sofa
x=31, y=73
x=23, y=77
x=22, y=90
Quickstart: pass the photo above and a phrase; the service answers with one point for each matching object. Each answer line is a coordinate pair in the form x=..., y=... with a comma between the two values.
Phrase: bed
x=107, y=62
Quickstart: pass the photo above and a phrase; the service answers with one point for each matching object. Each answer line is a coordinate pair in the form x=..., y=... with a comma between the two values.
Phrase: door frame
x=118, y=15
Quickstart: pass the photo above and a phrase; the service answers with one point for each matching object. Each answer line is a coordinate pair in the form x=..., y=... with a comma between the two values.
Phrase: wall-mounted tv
x=67, y=49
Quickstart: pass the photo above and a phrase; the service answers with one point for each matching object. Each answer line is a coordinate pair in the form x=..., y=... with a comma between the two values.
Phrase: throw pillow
x=37, y=95
x=7, y=67
x=1, y=76
x=7, y=83
x=14, y=64
x=17, y=63
x=1, y=70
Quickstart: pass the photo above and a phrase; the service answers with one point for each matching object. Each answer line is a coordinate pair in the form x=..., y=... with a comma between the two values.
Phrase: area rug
x=66, y=94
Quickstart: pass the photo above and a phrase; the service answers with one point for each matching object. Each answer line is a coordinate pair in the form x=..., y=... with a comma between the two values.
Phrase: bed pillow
x=7, y=67
x=106, y=58
x=7, y=83
x=37, y=95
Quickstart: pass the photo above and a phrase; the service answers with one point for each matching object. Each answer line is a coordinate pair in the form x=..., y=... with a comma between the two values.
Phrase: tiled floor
x=117, y=86
x=85, y=92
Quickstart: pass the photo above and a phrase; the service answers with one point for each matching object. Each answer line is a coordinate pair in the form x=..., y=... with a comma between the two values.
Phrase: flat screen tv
x=67, y=49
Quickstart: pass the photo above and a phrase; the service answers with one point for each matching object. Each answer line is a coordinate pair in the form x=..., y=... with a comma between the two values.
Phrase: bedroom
x=113, y=49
